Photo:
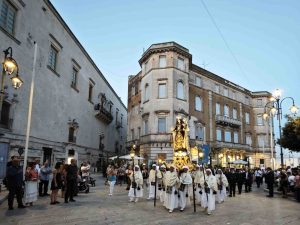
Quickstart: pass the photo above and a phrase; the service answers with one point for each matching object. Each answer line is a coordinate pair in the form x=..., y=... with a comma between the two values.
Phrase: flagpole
x=30, y=109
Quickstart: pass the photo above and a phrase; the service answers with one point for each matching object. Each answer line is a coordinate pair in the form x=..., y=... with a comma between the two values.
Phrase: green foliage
x=291, y=135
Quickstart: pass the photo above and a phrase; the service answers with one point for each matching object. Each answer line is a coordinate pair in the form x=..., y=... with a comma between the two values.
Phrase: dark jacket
x=14, y=176
x=241, y=177
x=72, y=172
x=269, y=177
x=231, y=177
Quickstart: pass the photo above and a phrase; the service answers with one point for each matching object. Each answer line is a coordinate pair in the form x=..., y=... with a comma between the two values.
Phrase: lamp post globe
x=10, y=65
x=294, y=109
x=277, y=93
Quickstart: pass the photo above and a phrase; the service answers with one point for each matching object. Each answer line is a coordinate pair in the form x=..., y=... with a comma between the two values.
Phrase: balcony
x=227, y=121
x=103, y=114
x=230, y=145
x=156, y=138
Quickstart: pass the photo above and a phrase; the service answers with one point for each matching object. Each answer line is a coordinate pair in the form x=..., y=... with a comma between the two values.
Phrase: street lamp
x=9, y=66
x=275, y=109
x=200, y=156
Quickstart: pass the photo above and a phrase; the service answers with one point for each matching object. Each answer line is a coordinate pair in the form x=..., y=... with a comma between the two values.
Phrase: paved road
x=99, y=208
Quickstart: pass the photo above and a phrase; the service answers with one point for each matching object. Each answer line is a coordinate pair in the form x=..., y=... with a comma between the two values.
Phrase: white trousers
x=171, y=199
x=111, y=186
x=221, y=195
x=152, y=191
x=198, y=195
x=208, y=201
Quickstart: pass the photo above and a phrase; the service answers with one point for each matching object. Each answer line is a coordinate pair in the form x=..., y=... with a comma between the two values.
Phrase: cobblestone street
x=99, y=208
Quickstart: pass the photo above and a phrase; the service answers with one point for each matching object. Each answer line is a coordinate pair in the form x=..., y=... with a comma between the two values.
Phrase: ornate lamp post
x=275, y=109
x=200, y=156
x=9, y=67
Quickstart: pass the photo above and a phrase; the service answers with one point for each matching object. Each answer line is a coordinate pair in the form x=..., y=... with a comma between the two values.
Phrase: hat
x=185, y=167
x=172, y=165
x=153, y=165
x=162, y=166
x=136, y=166
x=208, y=170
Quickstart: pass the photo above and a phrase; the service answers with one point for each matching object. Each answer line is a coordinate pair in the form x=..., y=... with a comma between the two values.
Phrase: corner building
x=222, y=116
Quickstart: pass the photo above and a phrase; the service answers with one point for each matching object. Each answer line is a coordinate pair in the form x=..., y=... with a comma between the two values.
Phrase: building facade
x=222, y=116
x=75, y=111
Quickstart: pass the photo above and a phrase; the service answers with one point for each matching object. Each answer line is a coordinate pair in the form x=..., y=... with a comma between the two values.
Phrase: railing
x=156, y=138
x=221, y=144
x=225, y=120
x=103, y=114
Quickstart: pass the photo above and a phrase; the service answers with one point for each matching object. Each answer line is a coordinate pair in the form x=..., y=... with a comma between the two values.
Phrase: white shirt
x=291, y=180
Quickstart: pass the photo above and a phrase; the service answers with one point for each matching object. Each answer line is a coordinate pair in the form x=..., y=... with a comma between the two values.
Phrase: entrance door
x=3, y=159
x=47, y=155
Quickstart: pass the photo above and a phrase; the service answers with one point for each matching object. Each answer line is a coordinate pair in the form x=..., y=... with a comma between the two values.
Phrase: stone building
x=223, y=116
x=75, y=113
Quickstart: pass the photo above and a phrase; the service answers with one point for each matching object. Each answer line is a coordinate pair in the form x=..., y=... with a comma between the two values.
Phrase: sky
x=262, y=35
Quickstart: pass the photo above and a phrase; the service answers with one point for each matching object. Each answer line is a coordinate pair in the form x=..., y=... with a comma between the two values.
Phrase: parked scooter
x=83, y=184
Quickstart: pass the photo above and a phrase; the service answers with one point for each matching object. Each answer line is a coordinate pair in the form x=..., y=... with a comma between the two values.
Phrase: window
x=219, y=135
x=146, y=92
x=180, y=63
x=228, y=136
x=162, y=92
x=117, y=115
x=52, y=57
x=132, y=134
x=234, y=113
x=90, y=97
x=7, y=17
x=146, y=126
x=226, y=110
x=133, y=91
x=218, y=109
x=236, y=137
x=139, y=132
x=259, y=119
x=162, y=61
x=247, y=100
x=146, y=67
x=247, y=118
x=248, y=139
x=71, y=134
x=162, y=125
x=259, y=102
x=261, y=141
x=225, y=92
x=217, y=88
x=179, y=88
x=234, y=95
x=198, y=81
x=198, y=103
x=74, y=77
x=199, y=133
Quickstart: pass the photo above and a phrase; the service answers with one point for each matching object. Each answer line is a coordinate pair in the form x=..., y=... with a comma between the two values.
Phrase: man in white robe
x=222, y=185
x=161, y=183
x=136, y=187
x=210, y=190
x=171, y=181
x=184, y=190
x=199, y=183
x=154, y=172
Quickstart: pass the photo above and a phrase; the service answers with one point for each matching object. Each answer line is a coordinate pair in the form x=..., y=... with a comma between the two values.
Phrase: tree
x=290, y=137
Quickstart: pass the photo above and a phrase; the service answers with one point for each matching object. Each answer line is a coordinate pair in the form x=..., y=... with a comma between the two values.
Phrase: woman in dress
x=56, y=184
x=31, y=190
x=112, y=178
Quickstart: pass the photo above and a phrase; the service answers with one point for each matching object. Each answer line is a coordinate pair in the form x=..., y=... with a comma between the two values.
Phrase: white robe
x=171, y=199
x=199, y=183
x=221, y=194
x=152, y=180
x=208, y=199
x=162, y=192
x=136, y=192
x=185, y=195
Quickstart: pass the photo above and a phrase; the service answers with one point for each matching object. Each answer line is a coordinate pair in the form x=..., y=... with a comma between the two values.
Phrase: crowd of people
x=62, y=178
x=177, y=189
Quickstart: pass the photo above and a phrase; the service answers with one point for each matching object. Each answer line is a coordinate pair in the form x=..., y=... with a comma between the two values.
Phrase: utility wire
x=223, y=38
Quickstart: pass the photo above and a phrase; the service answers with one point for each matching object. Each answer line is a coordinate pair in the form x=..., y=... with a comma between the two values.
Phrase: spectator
x=56, y=183
x=297, y=185
x=71, y=180
x=269, y=179
x=145, y=175
x=14, y=176
x=44, y=179
x=112, y=177
x=283, y=183
x=128, y=173
x=63, y=171
x=258, y=177
x=121, y=175
x=291, y=181
x=31, y=178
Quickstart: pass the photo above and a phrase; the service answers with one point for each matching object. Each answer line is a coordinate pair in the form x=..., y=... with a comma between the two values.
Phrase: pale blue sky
x=264, y=35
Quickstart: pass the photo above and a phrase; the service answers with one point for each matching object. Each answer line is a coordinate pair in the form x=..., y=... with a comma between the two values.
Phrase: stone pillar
x=210, y=116
x=242, y=127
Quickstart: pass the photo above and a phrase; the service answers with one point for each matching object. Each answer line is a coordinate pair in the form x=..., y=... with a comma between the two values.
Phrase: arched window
x=146, y=92
x=198, y=103
x=180, y=87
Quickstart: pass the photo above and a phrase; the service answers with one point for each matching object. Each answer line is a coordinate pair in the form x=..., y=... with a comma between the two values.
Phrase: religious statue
x=180, y=134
